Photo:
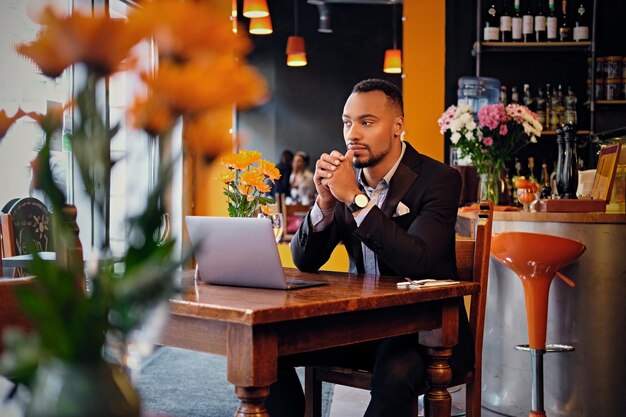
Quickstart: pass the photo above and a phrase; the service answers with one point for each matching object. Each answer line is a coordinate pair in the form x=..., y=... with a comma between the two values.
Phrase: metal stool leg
x=536, y=367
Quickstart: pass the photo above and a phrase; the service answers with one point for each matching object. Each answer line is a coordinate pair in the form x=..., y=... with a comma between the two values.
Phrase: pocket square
x=401, y=210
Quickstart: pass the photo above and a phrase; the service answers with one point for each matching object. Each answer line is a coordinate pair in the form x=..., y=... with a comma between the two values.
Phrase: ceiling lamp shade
x=233, y=15
x=296, y=52
x=393, y=61
x=261, y=25
x=255, y=8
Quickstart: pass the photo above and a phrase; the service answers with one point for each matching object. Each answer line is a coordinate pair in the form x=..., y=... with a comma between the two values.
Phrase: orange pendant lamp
x=255, y=8
x=393, y=57
x=261, y=25
x=296, y=51
x=233, y=15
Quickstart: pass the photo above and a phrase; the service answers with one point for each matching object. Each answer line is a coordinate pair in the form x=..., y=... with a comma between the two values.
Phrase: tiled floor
x=352, y=402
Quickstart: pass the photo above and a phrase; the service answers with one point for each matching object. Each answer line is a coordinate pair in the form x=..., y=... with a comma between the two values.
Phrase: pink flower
x=492, y=115
x=503, y=129
x=488, y=141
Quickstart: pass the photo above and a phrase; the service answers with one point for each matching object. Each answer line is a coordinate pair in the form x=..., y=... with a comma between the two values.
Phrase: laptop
x=239, y=251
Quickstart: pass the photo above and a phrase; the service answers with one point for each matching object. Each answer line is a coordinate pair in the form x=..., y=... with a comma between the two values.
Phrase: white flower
x=471, y=125
x=455, y=125
x=469, y=135
x=456, y=136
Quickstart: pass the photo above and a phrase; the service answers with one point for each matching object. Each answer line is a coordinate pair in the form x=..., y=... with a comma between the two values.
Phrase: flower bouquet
x=498, y=134
x=246, y=183
x=198, y=79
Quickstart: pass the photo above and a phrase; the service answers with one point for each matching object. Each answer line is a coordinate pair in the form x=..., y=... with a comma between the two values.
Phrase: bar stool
x=536, y=258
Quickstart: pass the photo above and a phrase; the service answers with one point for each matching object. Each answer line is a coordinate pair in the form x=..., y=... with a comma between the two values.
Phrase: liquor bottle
x=528, y=99
x=546, y=189
x=571, y=117
x=514, y=95
x=505, y=24
x=581, y=24
x=555, y=110
x=503, y=95
x=565, y=34
x=541, y=107
x=531, y=169
x=540, y=24
x=552, y=23
x=516, y=23
x=548, y=106
x=528, y=23
x=491, y=31
x=561, y=104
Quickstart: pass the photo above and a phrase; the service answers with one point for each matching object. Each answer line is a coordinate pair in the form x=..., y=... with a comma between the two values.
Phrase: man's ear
x=398, y=125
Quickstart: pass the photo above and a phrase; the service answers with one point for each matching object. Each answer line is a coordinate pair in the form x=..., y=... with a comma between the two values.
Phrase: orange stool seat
x=536, y=259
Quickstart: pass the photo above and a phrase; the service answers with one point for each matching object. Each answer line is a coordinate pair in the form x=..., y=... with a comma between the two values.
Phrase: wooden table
x=253, y=327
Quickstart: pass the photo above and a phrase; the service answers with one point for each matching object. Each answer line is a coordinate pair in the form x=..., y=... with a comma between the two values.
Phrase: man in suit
x=395, y=214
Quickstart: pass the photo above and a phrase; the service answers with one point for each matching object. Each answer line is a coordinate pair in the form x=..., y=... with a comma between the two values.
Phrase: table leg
x=438, y=402
x=252, y=401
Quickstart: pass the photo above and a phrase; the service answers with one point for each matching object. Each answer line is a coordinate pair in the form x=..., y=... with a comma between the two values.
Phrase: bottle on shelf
x=514, y=95
x=565, y=33
x=552, y=30
x=516, y=23
x=540, y=23
x=491, y=31
x=571, y=117
x=541, y=107
x=528, y=24
x=581, y=24
x=531, y=169
x=505, y=24
x=546, y=189
x=555, y=110
x=561, y=104
x=528, y=99
x=503, y=95
x=548, y=107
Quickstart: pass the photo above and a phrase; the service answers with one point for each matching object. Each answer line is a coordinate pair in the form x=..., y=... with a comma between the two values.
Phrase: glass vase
x=65, y=389
x=490, y=184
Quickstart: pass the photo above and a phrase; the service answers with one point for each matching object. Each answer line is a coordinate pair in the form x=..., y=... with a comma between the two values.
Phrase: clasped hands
x=335, y=179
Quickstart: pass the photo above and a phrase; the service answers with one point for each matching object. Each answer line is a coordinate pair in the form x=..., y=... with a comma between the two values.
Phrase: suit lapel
x=404, y=177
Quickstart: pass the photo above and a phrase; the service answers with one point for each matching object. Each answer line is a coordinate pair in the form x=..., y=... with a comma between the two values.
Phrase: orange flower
x=255, y=179
x=189, y=30
x=242, y=160
x=99, y=42
x=267, y=210
x=226, y=177
x=209, y=133
x=246, y=190
x=6, y=122
x=150, y=115
x=198, y=87
x=268, y=169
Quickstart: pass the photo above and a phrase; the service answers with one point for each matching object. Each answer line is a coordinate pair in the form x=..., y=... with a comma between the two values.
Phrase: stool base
x=550, y=348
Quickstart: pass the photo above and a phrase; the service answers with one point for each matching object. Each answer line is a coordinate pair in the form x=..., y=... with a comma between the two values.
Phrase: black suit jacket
x=420, y=243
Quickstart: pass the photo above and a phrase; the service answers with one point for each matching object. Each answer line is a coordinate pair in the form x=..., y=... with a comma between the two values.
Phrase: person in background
x=394, y=210
x=281, y=186
x=301, y=180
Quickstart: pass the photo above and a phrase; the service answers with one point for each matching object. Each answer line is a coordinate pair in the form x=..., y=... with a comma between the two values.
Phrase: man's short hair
x=393, y=93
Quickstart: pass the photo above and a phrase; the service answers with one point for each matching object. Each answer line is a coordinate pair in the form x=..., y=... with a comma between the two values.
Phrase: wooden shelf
x=611, y=102
x=553, y=132
x=535, y=46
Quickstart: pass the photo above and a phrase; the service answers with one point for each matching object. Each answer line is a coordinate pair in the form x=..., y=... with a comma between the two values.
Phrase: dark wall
x=304, y=111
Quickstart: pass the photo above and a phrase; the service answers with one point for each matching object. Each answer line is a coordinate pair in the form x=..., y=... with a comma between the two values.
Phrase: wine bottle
x=528, y=22
x=514, y=95
x=570, y=107
x=505, y=24
x=552, y=23
x=548, y=107
x=581, y=24
x=528, y=99
x=503, y=95
x=546, y=189
x=491, y=31
x=540, y=24
x=516, y=23
x=541, y=108
x=565, y=34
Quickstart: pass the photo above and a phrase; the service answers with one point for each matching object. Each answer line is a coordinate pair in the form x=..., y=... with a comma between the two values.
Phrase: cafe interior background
x=304, y=109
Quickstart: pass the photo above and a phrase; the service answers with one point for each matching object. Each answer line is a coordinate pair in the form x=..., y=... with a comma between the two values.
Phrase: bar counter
x=590, y=316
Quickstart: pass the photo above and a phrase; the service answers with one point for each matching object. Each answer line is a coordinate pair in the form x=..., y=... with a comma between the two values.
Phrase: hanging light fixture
x=393, y=57
x=261, y=25
x=296, y=51
x=233, y=15
x=255, y=8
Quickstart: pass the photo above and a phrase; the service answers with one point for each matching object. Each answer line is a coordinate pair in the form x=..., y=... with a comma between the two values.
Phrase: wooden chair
x=292, y=215
x=472, y=259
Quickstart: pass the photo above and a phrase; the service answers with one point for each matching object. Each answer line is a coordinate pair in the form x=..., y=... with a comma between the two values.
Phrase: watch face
x=361, y=200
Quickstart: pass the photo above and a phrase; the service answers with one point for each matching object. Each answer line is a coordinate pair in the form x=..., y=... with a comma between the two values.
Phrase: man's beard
x=372, y=160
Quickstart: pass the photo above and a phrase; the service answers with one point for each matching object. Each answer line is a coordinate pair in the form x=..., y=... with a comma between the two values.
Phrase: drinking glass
x=278, y=224
x=528, y=198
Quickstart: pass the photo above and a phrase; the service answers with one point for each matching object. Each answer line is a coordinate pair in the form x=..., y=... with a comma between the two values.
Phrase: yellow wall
x=424, y=62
